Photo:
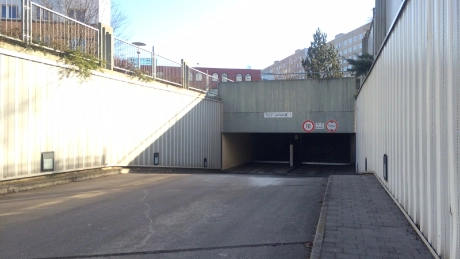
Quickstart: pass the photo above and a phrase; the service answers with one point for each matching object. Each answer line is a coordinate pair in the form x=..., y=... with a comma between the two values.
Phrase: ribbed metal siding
x=408, y=109
x=104, y=121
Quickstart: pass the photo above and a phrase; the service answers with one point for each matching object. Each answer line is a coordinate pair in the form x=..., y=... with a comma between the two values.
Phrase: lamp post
x=139, y=44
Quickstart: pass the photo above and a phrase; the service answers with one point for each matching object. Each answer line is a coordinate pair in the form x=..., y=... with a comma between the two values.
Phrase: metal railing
x=48, y=28
x=35, y=24
x=11, y=19
x=167, y=70
x=201, y=81
x=29, y=22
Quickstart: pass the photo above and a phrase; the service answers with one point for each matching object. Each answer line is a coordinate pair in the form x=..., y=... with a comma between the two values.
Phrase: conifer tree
x=322, y=60
x=361, y=65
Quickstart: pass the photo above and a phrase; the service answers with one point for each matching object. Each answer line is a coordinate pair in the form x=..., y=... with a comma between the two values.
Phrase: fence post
x=182, y=73
x=154, y=64
x=26, y=17
x=106, y=45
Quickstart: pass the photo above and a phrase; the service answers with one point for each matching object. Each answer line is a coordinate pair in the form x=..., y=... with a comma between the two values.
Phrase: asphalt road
x=164, y=216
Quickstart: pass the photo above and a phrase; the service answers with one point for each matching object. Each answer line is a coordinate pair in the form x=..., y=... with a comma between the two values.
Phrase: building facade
x=287, y=68
x=225, y=74
x=349, y=46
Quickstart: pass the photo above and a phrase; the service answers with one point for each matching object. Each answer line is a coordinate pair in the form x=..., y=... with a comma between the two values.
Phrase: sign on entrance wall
x=308, y=126
x=332, y=126
x=277, y=114
x=319, y=125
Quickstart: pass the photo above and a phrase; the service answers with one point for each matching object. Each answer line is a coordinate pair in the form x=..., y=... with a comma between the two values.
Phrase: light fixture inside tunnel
x=47, y=161
x=156, y=158
x=205, y=162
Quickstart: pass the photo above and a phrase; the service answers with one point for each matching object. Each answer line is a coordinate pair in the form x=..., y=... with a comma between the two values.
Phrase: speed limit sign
x=332, y=126
x=308, y=126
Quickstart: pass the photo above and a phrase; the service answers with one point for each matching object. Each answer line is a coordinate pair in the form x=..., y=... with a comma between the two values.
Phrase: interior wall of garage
x=318, y=100
x=408, y=109
x=109, y=120
x=237, y=149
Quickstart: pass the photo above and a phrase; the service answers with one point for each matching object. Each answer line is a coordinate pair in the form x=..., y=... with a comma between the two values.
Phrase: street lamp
x=139, y=44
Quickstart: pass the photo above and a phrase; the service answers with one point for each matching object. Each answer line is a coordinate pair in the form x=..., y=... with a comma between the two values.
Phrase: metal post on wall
x=154, y=67
x=26, y=20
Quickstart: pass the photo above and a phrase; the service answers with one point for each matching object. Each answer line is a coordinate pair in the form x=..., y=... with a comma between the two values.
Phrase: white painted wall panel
x=106, y=121
x=408, y=108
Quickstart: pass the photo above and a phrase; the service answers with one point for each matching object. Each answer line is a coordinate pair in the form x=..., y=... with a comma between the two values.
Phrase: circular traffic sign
x=332, y=126
x=308, y=126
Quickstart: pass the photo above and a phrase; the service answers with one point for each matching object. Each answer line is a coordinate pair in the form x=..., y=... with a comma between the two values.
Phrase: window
x=247, y=77
x=360, y=36
x=339, y=45
x=10, y=12
x=340, y=53
x=198, y=76
x=349, y=49
x=360, y=45
x=77, y=14
x=215, y=77
x=355, y=47
x=349, y=40
x=345, y=43
x=190, y=76
x=355, y=38
x=224, y=77
x=239, y=77
x=345, y=51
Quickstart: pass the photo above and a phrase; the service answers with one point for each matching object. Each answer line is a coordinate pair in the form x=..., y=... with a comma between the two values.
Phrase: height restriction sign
x=332, y=126
x=308, y=126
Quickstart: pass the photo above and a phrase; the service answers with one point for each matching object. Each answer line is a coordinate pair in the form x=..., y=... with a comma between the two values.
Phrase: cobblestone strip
x=362, y=221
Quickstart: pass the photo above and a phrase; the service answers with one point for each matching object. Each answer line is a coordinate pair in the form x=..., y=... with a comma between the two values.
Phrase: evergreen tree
x=361, y=66
x=322, y=60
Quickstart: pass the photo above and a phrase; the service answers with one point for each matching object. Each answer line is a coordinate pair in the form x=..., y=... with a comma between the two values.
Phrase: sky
x=238, y=33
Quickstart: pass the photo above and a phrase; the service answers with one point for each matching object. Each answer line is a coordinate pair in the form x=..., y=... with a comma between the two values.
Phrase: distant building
x=223, y=74
x=287, y=68
x=349, y=46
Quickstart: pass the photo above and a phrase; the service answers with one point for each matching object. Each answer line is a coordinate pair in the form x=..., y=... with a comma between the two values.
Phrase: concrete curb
x=317, y=243
x=22, y=185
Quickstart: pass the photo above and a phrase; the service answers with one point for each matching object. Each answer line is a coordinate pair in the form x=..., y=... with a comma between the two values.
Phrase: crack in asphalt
x=305, y=244
x=150, y=228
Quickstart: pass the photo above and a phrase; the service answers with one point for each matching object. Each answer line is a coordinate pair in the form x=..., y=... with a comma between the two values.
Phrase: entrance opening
x=326, y=148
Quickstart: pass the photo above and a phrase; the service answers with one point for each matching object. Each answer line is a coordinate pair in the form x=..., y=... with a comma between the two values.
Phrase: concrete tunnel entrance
x=290, y=148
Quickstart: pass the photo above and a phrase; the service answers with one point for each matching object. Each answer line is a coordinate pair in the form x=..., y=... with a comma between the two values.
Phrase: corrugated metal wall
x=109, y=120
x=408, y=108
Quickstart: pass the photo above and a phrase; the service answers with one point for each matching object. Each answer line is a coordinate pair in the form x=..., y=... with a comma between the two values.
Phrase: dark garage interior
x=307, y=148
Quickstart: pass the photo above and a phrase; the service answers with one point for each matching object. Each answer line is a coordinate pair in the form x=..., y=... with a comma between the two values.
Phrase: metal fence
x=48, y=28
x=167, y=70
x=11, y=19
x=131, y=58
x=201, y=81
x=35, y=24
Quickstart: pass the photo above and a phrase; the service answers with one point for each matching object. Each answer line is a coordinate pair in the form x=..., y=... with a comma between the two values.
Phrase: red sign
x=332, y=126
x=308, y=126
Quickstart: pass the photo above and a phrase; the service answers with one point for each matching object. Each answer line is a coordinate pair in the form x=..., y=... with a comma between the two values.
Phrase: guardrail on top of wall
x=29, y=22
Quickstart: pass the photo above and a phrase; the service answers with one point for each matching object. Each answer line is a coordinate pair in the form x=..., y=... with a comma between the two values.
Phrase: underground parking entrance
x=295, y=149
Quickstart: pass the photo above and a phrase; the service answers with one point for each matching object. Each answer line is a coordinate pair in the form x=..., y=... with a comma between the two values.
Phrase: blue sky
x=238, y=33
